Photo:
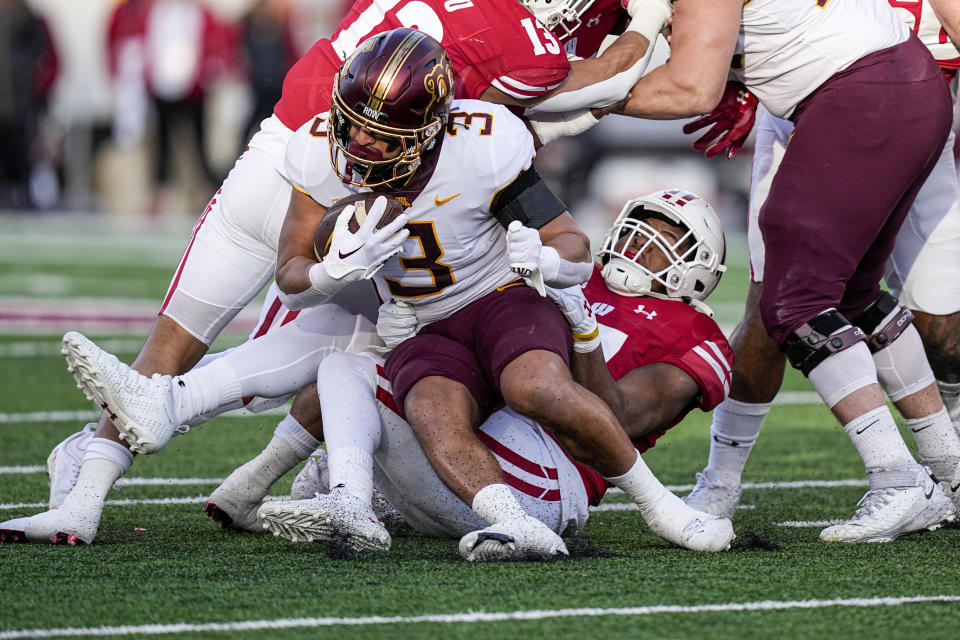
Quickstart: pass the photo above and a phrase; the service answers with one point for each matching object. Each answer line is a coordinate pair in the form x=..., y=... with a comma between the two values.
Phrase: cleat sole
x=11, y=536
x=218, y=515
x=78, y=365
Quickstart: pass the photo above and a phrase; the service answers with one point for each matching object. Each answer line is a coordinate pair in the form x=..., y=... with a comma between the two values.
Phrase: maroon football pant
x=864, y=143
x=475, y=344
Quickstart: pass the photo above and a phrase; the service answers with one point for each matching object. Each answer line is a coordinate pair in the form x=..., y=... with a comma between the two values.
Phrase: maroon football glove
x=732, y=121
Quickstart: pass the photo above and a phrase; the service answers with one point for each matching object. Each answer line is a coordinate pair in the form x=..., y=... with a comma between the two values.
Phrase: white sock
x=352, y=468
x=496, y=503
x=297, y=438
x=733, y=433
x=351, y=429
x=97, y=475
x=937, y=442
x=640, y=484
x=878, y=441
x=276, y=459
x=109, y=450
x=202, y=390
x=950, y=392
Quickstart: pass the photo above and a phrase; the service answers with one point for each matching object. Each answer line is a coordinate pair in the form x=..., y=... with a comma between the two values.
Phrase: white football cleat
x=57, y=526
x=671, y=519
x=314, y=478
x=713, y=497
x=234, y=504
x=141, y=408
x=64, y=461
x=523, y=538
x=886, y=513
x=338, y=517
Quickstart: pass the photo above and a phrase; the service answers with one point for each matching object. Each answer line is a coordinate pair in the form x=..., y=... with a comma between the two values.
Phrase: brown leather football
x=362, y=202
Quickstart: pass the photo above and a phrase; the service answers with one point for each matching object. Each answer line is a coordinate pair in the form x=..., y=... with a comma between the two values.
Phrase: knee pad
x=881, y=334
x=815, y=341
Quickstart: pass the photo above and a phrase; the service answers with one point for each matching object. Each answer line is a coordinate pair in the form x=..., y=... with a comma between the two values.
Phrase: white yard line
x=130, y=502
x=610, y=506
x=35, y=348
x=84, y=415
x=472, y=617
x=790, y=397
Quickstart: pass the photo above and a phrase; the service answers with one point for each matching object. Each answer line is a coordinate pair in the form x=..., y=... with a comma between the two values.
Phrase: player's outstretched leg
x=523, y=538
x=141, y=408
x=338, y=517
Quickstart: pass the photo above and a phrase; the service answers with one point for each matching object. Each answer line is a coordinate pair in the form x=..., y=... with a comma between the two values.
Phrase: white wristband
x=549, y=125
x=322, y=286
x=560, y=273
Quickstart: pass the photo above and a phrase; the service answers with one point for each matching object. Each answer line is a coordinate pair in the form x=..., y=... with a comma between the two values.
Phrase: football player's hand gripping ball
x=353, y=256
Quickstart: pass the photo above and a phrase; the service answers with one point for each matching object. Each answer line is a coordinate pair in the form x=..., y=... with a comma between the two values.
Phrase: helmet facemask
x=396, y=88
x=561, y=17
x=365, y=166
x=640, y=260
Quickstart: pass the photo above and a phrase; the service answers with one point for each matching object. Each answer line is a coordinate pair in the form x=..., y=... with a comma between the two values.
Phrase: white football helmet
x=692, y=271
x=562, y=17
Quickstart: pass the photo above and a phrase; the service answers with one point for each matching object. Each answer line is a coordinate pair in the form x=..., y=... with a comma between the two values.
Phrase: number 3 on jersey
x=441, y=273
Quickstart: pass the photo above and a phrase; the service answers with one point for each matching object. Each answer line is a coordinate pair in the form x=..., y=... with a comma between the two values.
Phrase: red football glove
x=732, y=121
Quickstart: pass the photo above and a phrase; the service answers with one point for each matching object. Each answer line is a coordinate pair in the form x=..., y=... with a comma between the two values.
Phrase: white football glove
x=579, y=314
x=523, y=248
x=396, y=322
x=353, y=256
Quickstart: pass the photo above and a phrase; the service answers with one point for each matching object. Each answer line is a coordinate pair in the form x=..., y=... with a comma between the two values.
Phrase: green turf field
x=159, y=567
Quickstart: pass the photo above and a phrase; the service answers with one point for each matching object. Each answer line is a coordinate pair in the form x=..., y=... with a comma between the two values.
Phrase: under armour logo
x=641, y=309
x=595, y=20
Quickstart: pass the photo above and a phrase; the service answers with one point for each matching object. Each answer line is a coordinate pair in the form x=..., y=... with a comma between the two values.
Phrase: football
x=362, y=202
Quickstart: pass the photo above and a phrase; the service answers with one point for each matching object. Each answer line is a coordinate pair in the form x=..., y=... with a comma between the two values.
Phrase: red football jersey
x=490, y=42
x=641, y=331
x=595, y=25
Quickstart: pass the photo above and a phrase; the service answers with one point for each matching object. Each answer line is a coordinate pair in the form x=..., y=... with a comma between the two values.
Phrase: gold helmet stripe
x=392, y=69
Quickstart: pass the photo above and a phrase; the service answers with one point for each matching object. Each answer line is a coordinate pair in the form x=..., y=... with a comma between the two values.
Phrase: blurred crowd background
x=138, y=108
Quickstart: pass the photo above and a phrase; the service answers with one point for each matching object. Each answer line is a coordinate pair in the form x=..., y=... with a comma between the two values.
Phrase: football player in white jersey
x=668, y=357
x=861, y=89
x=232, y=251
x=660, y=358
x=923, y=273
x=515, y=193
x=478, y=333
